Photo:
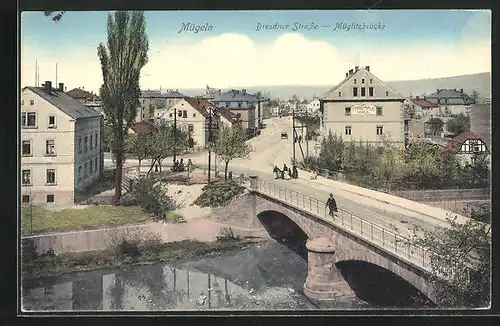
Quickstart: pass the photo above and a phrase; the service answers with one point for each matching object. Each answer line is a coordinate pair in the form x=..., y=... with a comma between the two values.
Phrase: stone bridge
x=329, y=243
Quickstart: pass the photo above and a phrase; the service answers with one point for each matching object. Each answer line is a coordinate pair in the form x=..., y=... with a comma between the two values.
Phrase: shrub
x=227, y=234
x=28, y=251
x=153, y=198
x=128, y=248
x=219, y=194
x=172, y=217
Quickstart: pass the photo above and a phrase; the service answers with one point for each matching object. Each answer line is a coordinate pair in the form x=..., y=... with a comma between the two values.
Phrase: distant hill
x=480, y=82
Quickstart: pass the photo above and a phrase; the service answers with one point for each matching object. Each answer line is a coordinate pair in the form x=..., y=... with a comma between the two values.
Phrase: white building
x=313, y=106
x=60, y=146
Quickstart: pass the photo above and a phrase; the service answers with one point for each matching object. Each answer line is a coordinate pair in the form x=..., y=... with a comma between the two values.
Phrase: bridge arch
x=418, y=282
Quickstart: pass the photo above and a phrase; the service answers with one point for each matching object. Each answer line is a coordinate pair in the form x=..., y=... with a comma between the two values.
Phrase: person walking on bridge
x=332, y=205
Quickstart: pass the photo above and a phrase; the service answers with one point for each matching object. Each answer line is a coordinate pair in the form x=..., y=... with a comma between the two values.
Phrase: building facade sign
x=364, y=109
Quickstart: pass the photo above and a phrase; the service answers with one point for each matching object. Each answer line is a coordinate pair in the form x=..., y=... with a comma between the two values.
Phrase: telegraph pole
x=293, y=133
x=209, y=142
x=175, y=132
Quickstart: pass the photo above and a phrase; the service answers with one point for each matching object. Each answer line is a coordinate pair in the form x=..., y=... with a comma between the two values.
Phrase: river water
x=264, y=276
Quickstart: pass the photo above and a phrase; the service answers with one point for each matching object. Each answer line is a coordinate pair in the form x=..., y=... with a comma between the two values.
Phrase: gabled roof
x=200, y=105
x=81, y=94
x=151, y=94
x=379, y=86
x=454, y=145
x=143, y=128
x=423, y=103
x=227, y=114
x=65, y=103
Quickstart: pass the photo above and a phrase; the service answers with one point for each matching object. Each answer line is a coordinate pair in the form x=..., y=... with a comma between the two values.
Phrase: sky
x=238, y=50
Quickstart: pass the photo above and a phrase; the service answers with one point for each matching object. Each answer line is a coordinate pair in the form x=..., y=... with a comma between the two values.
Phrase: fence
x=395, y=244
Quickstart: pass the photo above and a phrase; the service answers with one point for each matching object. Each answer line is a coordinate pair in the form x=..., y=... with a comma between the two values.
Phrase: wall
x=364, y=126
x=38, y=162
x=442, y=195
x=248, y=117
x=87, y=128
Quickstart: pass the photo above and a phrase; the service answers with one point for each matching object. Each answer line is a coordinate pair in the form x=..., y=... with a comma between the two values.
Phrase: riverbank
x=129, y=254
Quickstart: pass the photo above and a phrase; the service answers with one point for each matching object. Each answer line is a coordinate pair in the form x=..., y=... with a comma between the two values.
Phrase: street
x=270, y=150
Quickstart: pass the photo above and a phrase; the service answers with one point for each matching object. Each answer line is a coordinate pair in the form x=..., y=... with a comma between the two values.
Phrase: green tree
x=458, y=124
x=140, y=146
x=312, y=124
x=231, y=144
x=460, y=262
x=153, y=198
x=475, y=96
x=165, y=141
x=332, y=152
x=121, y=64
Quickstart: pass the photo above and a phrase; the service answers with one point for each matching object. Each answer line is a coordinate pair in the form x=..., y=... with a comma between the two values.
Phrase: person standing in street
x=332, y=205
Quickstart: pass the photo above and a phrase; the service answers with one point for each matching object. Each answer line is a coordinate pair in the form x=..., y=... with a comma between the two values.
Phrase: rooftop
x=237, y=96
x=450, y=96
x=82, y=94
x=65, y=103
x=143, y=128
x=454, y=145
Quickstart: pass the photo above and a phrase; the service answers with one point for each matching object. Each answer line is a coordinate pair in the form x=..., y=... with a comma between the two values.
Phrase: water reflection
x=154, y=287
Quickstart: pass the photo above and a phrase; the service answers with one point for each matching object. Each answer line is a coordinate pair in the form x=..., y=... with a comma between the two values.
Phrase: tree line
x=420, y=166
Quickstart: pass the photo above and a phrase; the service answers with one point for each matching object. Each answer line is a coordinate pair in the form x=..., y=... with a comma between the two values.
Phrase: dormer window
x=340, y=94
x=354, y=80
x=371, y=81
x=362, y=81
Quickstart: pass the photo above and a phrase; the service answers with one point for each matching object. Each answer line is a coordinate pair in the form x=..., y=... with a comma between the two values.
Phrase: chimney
x=219, y=91
x=244, y=91
x=357, y=68
x=48, y=86
x=61, y=87
x=346, y=74
x=83, y=88
x=418, y=97
x=461, y=90
x=367, y=68
x=350, y=72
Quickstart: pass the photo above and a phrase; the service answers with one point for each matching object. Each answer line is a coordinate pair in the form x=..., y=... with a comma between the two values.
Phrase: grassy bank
x=127, y=255
x=74, y=219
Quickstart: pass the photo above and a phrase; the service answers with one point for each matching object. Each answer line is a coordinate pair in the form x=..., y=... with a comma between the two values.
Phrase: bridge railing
x=390, y=241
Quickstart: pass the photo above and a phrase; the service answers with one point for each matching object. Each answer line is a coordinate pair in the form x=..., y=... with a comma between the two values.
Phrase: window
x=95, y=165
x=25, y=199
x=370, y=91
x=86, y=143
x=50, y=148
x=50, y=198
x=380, y=111
x=170, y=115
x=371, y=81
x=51, y=176
x=80, y=173
x=91, y=141
x=96, y=140
x=240, y=104
x=363, y=91
x=348, y=130
x=190, y=128
x=354, y=91
x=28, y=119
x=362, y=81
x=22, y=102
x=347, y=111
x=380, y=130
x=386, y=93
x=340, y=94
x=26, y=148
x=32, y=102
x=184, y=114
x=79, y=145
x=354, y=80
x=179, y=114
x=228, y=104
x=473, y=160
x=26, y=177
x=52, y=121
x=90, y=168
x=194, y=115
x=85, y=170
